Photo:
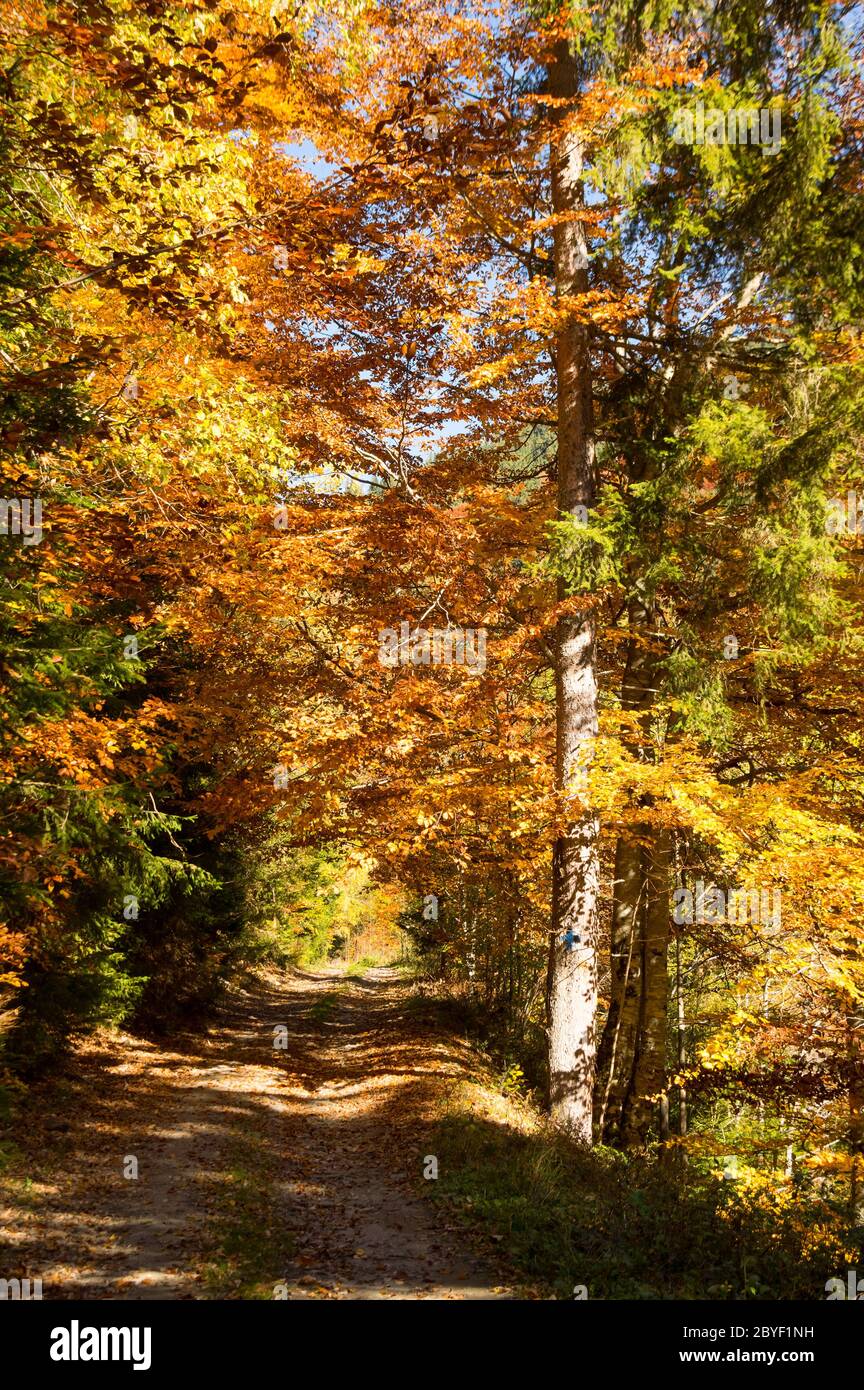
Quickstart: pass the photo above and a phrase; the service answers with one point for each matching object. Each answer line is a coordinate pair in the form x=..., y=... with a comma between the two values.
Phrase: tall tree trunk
x=617, y=1053
x=619, y=1045
x=855, y=1031
x=682, y=1043
x=572, y=976
x=649, y=1073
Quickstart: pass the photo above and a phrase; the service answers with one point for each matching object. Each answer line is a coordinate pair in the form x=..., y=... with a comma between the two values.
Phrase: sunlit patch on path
x=339, y=1115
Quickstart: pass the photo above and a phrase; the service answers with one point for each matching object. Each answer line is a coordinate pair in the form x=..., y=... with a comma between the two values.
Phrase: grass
x=250, y=1243
x=630, y=1227
x=323, y=1008
x=10, y=1156
x=359, y=967
x=626, y=1226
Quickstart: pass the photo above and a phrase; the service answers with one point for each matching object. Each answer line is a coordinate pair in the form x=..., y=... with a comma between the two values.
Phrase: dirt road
x=146, y=1177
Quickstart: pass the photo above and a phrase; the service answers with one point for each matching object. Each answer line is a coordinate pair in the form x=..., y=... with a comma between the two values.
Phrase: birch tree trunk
x=619, y=1044
x=682, y=1044
x=617, y=1052
x=855, y=1026
x=572, y=975
x=649, y=1073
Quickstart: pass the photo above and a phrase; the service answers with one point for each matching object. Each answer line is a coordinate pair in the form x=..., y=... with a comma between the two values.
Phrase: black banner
x=91, y=1340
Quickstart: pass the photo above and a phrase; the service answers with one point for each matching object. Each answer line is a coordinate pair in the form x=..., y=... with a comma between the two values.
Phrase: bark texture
x=632, y=1054
x=572, y=976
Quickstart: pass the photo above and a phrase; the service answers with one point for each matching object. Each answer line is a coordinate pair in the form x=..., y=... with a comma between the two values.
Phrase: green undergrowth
x=326, y=1004
x=249, y=1241
x=514, y=1051
x=631, y=1227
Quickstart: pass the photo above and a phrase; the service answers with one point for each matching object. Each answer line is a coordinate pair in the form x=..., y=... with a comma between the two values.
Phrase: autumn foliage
x=279, y=333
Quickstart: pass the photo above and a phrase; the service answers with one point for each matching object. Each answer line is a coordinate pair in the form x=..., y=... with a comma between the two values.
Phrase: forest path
x=337, y=1115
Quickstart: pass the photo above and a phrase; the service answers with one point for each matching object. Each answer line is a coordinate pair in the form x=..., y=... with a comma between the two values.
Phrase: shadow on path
x=333, y=1081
